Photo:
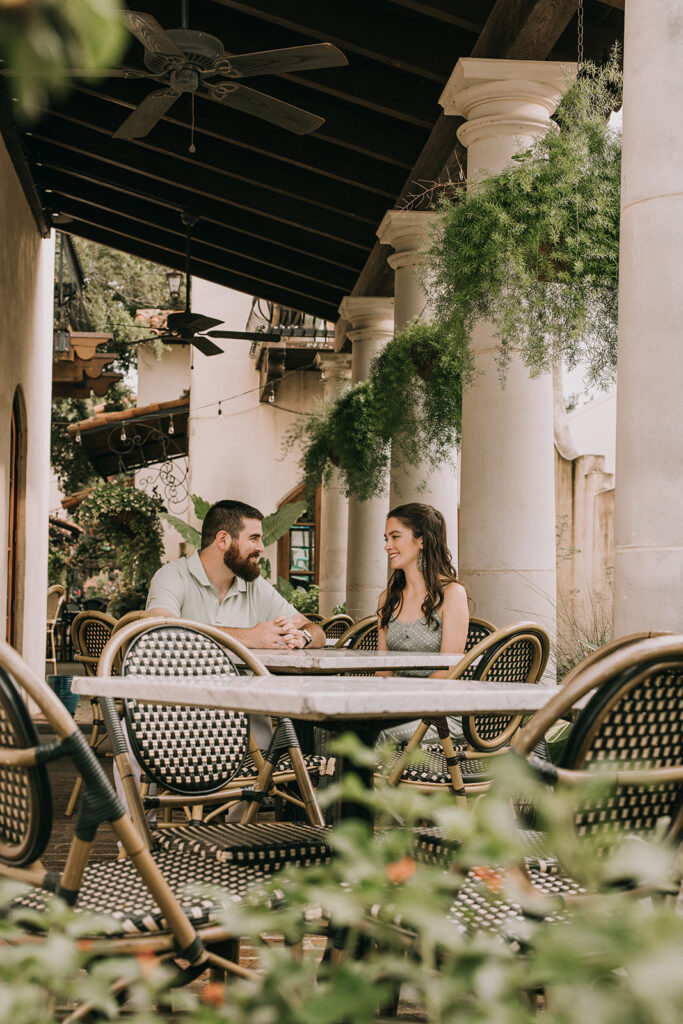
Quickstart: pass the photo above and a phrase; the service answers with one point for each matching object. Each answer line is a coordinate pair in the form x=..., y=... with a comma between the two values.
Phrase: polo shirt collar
x=194, y=565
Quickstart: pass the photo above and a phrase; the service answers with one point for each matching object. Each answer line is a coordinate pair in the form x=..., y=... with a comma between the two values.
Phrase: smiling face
x=242, y=557
x=401, y=544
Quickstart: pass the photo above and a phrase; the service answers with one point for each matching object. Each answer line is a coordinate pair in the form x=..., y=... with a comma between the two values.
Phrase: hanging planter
x=535, y=249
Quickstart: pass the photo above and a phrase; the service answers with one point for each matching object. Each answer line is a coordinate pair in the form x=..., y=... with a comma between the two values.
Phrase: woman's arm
x=455, y=618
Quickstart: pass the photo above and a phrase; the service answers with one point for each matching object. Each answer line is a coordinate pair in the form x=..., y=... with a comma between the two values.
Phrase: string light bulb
x=123, y=433
x=171, y=427
x=78, y=437
x=220, y=411
x=271, y=396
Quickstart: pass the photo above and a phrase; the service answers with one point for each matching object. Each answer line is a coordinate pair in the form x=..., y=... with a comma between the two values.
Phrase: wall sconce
x=175, y=279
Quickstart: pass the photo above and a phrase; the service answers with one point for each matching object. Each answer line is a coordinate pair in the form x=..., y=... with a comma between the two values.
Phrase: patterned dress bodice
x=415, y=636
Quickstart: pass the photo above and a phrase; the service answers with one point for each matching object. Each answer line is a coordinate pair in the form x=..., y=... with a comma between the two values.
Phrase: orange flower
x=401, y=870
x=214, y=993
x=493, y=880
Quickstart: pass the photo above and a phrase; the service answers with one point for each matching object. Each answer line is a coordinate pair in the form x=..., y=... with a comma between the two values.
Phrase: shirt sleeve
x=270, y=603
x=165, y=590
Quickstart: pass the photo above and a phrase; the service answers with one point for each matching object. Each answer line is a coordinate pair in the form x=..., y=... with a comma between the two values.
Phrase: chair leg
x=94, y=741
x=412, y=744
x=315, y=815
x=453, y=760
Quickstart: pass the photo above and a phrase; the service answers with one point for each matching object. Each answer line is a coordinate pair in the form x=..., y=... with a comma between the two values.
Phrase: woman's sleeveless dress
x=416, y=636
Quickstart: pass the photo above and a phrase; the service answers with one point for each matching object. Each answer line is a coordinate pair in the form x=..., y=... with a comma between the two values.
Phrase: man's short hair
x=227, y=515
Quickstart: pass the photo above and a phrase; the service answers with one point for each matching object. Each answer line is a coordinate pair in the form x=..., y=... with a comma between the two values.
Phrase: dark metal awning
x=132, y=439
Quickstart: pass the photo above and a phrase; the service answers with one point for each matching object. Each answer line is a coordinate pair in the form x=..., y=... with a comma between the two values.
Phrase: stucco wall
x=594, y=428
x=26, y=296
x=239, y=453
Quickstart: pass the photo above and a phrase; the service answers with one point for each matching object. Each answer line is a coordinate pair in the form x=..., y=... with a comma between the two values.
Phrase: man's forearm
x=317, y=634
x=246, y=636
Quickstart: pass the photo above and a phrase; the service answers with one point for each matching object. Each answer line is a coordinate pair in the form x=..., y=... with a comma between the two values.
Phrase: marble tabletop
x=326, y=698
x=342, y=659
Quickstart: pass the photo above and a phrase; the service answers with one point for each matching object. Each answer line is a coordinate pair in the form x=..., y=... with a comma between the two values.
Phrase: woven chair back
x=477, y=631
x=633, y=721
x=55, y=596
x=184, y=749
x=315, y=617
x=361, y=636
x=336, y=625
x=519, y=656
x=90, y=632
x=25, y=795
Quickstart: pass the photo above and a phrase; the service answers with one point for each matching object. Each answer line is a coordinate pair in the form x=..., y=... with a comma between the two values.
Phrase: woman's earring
x=420, y=562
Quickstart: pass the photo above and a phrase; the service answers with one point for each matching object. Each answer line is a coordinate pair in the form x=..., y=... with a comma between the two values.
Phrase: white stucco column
x=408, y=231
x=507, y=509
x=334, y=507
x=372, y=325
x=649, y=451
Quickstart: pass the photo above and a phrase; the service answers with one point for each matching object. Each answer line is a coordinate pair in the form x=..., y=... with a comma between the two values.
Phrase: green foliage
x=40, y=40
x=535, y=249
x=613, y=959
x=126, y=520
x=278, y=523
x=304, y=601
x=274, y=525
x=68, y=459
x=412, y=398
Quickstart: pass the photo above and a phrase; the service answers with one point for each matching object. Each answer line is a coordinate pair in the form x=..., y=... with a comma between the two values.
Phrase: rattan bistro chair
x=147, y=899
x=90, y=632
x=630, y=733
x=55, y=597
x=199, y=758
x=336, y=625
x=517, y=653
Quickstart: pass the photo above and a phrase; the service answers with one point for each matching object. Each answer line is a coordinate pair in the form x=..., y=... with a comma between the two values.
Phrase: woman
x=424, y=608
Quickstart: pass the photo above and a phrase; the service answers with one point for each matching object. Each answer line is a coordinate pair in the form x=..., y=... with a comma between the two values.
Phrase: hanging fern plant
x=535, y=249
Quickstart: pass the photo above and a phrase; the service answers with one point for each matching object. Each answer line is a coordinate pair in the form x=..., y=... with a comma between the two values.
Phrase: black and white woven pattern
x=640, y=728
x=15, y=792
x=512, y=664
x=185, y=750
x=93, y=636
x=277, y=843
x=432, y=769
x=115, y=889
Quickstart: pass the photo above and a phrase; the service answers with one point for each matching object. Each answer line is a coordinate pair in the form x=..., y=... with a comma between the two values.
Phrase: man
x=221, y=585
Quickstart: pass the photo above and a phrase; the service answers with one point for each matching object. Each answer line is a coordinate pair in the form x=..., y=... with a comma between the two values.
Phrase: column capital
x=370, y=316
x=504, y=97
x=407, y=232
x=335, y=368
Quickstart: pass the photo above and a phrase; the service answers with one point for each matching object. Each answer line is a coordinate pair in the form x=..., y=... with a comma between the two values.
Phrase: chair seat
x=432, y=847
x=432, y=769
x=317, y=765
x=275, y=844
x=116, y=891
x=480, y=909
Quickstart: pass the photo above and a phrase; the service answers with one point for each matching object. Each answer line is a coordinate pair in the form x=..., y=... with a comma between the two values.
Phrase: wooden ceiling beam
x=89, y=172
x=408, y=43
x=168, y=166
x=97, y=120
x=470, y=16
x=312, y=154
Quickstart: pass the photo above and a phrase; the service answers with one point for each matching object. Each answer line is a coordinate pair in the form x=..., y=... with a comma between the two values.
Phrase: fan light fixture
x=175, y=280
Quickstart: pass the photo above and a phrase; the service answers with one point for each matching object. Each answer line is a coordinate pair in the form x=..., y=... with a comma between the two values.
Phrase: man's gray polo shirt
x=183, y=588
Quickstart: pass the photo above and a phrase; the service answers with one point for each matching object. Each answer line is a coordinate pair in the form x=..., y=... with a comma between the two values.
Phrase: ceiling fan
x=186, y=327
x=185, y=60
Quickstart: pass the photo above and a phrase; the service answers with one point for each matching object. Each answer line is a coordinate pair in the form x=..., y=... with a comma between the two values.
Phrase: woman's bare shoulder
x=453, y=592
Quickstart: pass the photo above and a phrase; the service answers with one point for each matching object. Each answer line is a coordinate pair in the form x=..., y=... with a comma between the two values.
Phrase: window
x=298, y=557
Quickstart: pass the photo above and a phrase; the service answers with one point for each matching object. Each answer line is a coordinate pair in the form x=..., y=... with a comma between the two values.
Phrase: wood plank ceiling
x=288, y=218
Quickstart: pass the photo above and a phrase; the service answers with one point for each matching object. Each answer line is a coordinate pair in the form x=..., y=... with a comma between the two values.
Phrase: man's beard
x=246, y=568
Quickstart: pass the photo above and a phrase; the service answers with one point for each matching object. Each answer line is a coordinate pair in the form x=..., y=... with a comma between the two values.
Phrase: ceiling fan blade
x=189, y=323
x=152, y=36
x=268, y=108
x=145, y=116
x=292, y=58
x=205, y=346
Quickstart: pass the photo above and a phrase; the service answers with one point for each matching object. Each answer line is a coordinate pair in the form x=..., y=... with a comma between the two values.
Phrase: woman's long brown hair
x=438, y=569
